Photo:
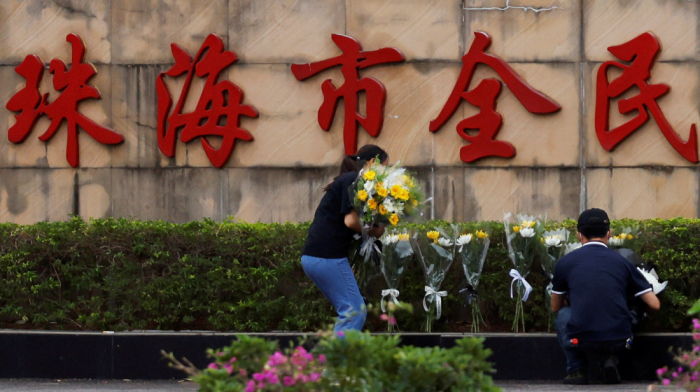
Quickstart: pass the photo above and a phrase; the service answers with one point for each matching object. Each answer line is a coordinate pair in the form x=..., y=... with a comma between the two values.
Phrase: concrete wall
x=560, y=167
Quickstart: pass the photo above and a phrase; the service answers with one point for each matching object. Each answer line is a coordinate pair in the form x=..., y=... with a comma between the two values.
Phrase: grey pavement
x=184, y=386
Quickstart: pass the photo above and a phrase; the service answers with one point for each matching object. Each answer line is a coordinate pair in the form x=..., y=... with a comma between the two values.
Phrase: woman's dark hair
x=353, y=163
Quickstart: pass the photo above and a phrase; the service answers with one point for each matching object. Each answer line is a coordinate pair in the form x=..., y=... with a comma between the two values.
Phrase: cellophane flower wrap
x=397, y=254
x=382, y=195
x=555, y=245
x=524, y=244
x=625, y=237
x=435, y=251
x=471, y=248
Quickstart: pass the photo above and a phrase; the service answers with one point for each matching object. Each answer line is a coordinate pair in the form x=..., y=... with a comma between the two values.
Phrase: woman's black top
x=329, y=238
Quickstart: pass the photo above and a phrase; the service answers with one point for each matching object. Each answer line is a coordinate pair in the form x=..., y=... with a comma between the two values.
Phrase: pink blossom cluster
x=687, y=375
x=390, y=319
x=299, y=368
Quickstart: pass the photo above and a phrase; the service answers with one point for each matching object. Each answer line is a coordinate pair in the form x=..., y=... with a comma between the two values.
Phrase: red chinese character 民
x=219, y=109
x=642, y=52
x=73, y=87
x=488, y=122
x=351, y=61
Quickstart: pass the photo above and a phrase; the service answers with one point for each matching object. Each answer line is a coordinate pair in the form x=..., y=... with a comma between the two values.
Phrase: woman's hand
x=376, y=231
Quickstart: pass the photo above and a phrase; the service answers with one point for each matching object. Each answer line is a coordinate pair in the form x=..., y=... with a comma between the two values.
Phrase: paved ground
x=180, y=386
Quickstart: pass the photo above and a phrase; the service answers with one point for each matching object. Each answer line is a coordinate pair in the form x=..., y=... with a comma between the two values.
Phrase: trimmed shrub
x=117, y=274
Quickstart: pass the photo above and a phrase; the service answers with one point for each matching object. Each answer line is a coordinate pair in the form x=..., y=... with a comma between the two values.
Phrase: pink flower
x=243, y=372
x=221, y=353
x=696, y=336
x=680, y=369
x=322, y=358
x=273, y=379
x=341, y=334
x=303, y=378
x=696, y=348
x=315, y=377
x=666, y=381
x=213, y=366
x=259, y=377
x=692, y=364
x=660, y=371
x=228, y=368
x=674, y=374
x=392, y=321
x=232, y=360
x=250, y=387
x=289, y=381
x=277, y=359
x=384, y=317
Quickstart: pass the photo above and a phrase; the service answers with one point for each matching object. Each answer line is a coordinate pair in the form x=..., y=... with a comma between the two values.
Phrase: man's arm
x=557, y=302
x=649, y=298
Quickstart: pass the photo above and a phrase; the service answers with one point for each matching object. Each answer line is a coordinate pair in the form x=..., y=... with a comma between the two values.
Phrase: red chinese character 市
x=488, y=121
x=351, y=61
x=642, y=52
x=73, y=87
x=219, y=109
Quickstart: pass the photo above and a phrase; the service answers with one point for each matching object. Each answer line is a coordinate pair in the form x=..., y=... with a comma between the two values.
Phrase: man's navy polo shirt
x=597, y=281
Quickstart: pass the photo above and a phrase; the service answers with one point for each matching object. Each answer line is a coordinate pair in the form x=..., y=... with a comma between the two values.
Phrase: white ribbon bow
x=393, y=293
x=516, y=276
x=432, y=295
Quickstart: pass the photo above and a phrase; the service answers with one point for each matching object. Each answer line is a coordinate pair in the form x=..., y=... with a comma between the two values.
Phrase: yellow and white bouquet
x=624, y=239
x=396, y=255
x=524, y=240
x=383, y=195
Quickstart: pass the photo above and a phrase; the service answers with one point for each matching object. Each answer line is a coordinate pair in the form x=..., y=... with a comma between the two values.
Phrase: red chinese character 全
x=73, y=87
x=488, y=121
x=642, y=52
x=351, y=61
x=219, y=109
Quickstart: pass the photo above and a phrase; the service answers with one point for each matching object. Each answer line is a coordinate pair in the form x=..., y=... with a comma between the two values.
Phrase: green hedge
x=117, y=274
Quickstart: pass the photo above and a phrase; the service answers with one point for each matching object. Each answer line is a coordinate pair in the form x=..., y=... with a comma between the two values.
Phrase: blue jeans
x=337, y=282
x=574, y=359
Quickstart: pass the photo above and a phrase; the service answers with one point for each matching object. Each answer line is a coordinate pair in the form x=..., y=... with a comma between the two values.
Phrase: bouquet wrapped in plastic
x=524, y=243
x=625, y=239
x=396, y=255
x=471, y=247
x=382, y=195
x=435, y=251
x=555, y=244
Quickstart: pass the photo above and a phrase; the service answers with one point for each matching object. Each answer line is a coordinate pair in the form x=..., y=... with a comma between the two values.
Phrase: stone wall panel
x=142, y=30
x=643, y=193
x=647, y=145
x=422, y=30
x=613, y=22
x=40, y=27
x=524, y=35
x=285, y=31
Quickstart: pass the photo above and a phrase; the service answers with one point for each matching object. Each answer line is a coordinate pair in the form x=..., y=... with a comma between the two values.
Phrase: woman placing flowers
x=335, y=223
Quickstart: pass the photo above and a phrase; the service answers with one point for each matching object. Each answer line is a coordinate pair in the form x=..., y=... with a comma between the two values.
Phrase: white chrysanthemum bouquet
x=471, y=247
x=435, y=251
x=524, y=243
x=396, y=255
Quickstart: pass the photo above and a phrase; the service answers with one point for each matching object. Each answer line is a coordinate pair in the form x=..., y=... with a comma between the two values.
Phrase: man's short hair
x=593, y=223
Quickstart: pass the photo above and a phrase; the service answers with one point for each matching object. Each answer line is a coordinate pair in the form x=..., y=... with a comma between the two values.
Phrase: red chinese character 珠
x=488, y=121
x=351, y=61
x=218, y=111
x=73, y=87
x=642, y=52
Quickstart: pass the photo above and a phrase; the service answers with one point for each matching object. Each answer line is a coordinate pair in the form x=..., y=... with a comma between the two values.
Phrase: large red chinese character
x=73, y=87
x=488, y=122
x=642, y=52
x=351, y=61
x=219, y=109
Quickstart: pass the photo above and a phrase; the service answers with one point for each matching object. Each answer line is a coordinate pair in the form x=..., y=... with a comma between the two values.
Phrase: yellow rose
x=372, y=204
x=381, y=191
x=362, y=195
x=383, y=210
x=516, y=229
x=403, y=237
x=394, y=219
x=370, y=175
x=481, y=234
x=433, y=235
x=629, y=236
x=403, y=195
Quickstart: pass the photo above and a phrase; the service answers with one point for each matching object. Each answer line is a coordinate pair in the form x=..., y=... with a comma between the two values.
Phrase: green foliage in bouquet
x=350, y=361
x=118, y=274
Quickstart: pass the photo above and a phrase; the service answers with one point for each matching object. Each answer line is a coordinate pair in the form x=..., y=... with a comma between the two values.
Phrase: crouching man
x=595, y=280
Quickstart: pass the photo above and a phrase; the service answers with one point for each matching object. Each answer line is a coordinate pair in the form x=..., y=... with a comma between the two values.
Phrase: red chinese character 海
x=219, y=109
x=642, y=52
x=488, y=122
x=73, y=87
x=351, y=61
